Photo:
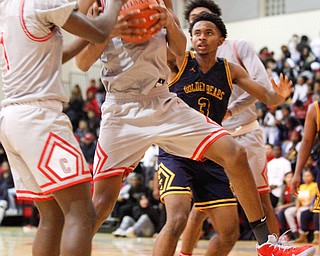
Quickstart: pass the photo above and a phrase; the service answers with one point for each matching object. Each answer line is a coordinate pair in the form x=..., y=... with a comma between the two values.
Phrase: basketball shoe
x=273, y=248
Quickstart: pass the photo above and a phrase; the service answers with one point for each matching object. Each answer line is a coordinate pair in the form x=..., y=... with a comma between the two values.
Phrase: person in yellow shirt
x=306, y=194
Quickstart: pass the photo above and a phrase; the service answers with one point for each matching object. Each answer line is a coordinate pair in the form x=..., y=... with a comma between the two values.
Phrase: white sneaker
x=130, y=232
x=11, y=212
x=29, y=229
x=118, y=232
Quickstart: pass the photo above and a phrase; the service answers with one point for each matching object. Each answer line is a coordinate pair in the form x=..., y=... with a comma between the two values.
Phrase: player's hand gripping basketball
x=283, y=89
x=165, y=17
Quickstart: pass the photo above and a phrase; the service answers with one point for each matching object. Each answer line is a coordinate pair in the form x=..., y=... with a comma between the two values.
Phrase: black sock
x=260, y=230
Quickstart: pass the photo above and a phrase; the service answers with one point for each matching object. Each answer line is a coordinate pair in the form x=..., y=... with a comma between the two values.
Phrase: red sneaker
x=273, y=248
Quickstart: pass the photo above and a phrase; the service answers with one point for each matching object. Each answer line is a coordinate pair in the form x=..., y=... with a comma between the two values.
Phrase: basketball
x=145, y=12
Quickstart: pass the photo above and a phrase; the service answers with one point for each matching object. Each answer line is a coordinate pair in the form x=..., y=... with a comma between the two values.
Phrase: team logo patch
x=165, y=179
x=60, y=160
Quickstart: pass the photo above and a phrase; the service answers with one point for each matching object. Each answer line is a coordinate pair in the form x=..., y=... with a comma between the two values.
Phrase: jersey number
x=4, y=50
x=204, y=104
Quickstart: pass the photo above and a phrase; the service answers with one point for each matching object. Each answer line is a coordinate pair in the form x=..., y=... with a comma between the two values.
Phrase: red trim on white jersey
x=53, y=142
x=102, y=4
x=102, y=158
x=35, y=198
x=113, y=172
x=24, y=27
x=44, y=196
x=29, y=195
x=207, y=142
x=264, y=189
x=4, y=50
x=86, y=179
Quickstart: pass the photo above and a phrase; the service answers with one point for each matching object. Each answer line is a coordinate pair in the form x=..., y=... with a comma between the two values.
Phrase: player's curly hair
x=215, y=19
x=209, y=4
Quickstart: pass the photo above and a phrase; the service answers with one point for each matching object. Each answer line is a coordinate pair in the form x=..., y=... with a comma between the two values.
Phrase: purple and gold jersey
x=208, y=92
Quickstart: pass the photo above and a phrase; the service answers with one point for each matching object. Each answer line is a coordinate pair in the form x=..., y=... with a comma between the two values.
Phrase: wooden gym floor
x=13, y=242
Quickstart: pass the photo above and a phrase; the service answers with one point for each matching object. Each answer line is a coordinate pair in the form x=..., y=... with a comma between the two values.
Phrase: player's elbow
x=82, y=65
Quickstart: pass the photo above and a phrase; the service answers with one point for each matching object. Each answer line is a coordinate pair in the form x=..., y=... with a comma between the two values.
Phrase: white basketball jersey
x=135, y=68
x=31, y=49
x=255, y=69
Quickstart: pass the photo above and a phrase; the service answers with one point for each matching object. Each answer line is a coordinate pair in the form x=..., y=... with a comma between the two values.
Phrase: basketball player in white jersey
x=46, y=161
x=139, y=110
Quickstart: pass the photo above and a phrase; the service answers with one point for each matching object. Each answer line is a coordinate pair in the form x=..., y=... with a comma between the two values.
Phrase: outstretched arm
x=310, y=131
x=176, y=39
x=248, y=59
x=242, y=79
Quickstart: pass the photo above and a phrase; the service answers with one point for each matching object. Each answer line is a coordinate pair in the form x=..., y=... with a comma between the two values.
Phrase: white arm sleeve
x=251, y=62
x=55, y=12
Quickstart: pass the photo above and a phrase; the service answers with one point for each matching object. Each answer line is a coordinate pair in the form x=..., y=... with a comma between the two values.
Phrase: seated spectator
x=88, y=145
x=289, y=70
x=307, y=217
x=74, y=108
x=307, y=192
x=92, y=88
x=264, y=54
x=270, y=129
x=300, y=111
x=3, y=200
x=269, y=152
x=83, y=129
x=316, y=91
x=101, y=93
x=126, y=201
x=6, y=181
x=291, y=125
x=300, y=90
x=142, y=223
x=286, y=200
x=292, y=148
x=277, y=169
x=281, y=121
x=92, y=104
x=3, y=155
x=93, y=122
x=306, y=58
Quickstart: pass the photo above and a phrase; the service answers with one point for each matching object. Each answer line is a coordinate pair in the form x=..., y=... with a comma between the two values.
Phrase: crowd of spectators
x=138, y=209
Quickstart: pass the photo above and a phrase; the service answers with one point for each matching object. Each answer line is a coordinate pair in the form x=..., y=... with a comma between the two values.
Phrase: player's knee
x=230, y=237
x=102, y=206
x=177, y=224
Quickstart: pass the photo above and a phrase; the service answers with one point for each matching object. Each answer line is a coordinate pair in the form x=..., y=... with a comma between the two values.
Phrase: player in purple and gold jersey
x=204, y=82
x=311, y=132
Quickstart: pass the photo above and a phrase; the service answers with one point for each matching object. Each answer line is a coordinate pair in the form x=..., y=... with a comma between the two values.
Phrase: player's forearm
x=177, y=40
x=242, y=103
x=260, y=92
x=272, y=99
x=73, y=48
x=89, y=55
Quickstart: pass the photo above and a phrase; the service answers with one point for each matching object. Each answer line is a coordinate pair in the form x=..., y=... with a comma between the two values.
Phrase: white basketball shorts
x=43, y=153
x=131, y=124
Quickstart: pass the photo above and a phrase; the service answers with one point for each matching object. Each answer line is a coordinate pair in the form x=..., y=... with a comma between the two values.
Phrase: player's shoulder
x=242, y=44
